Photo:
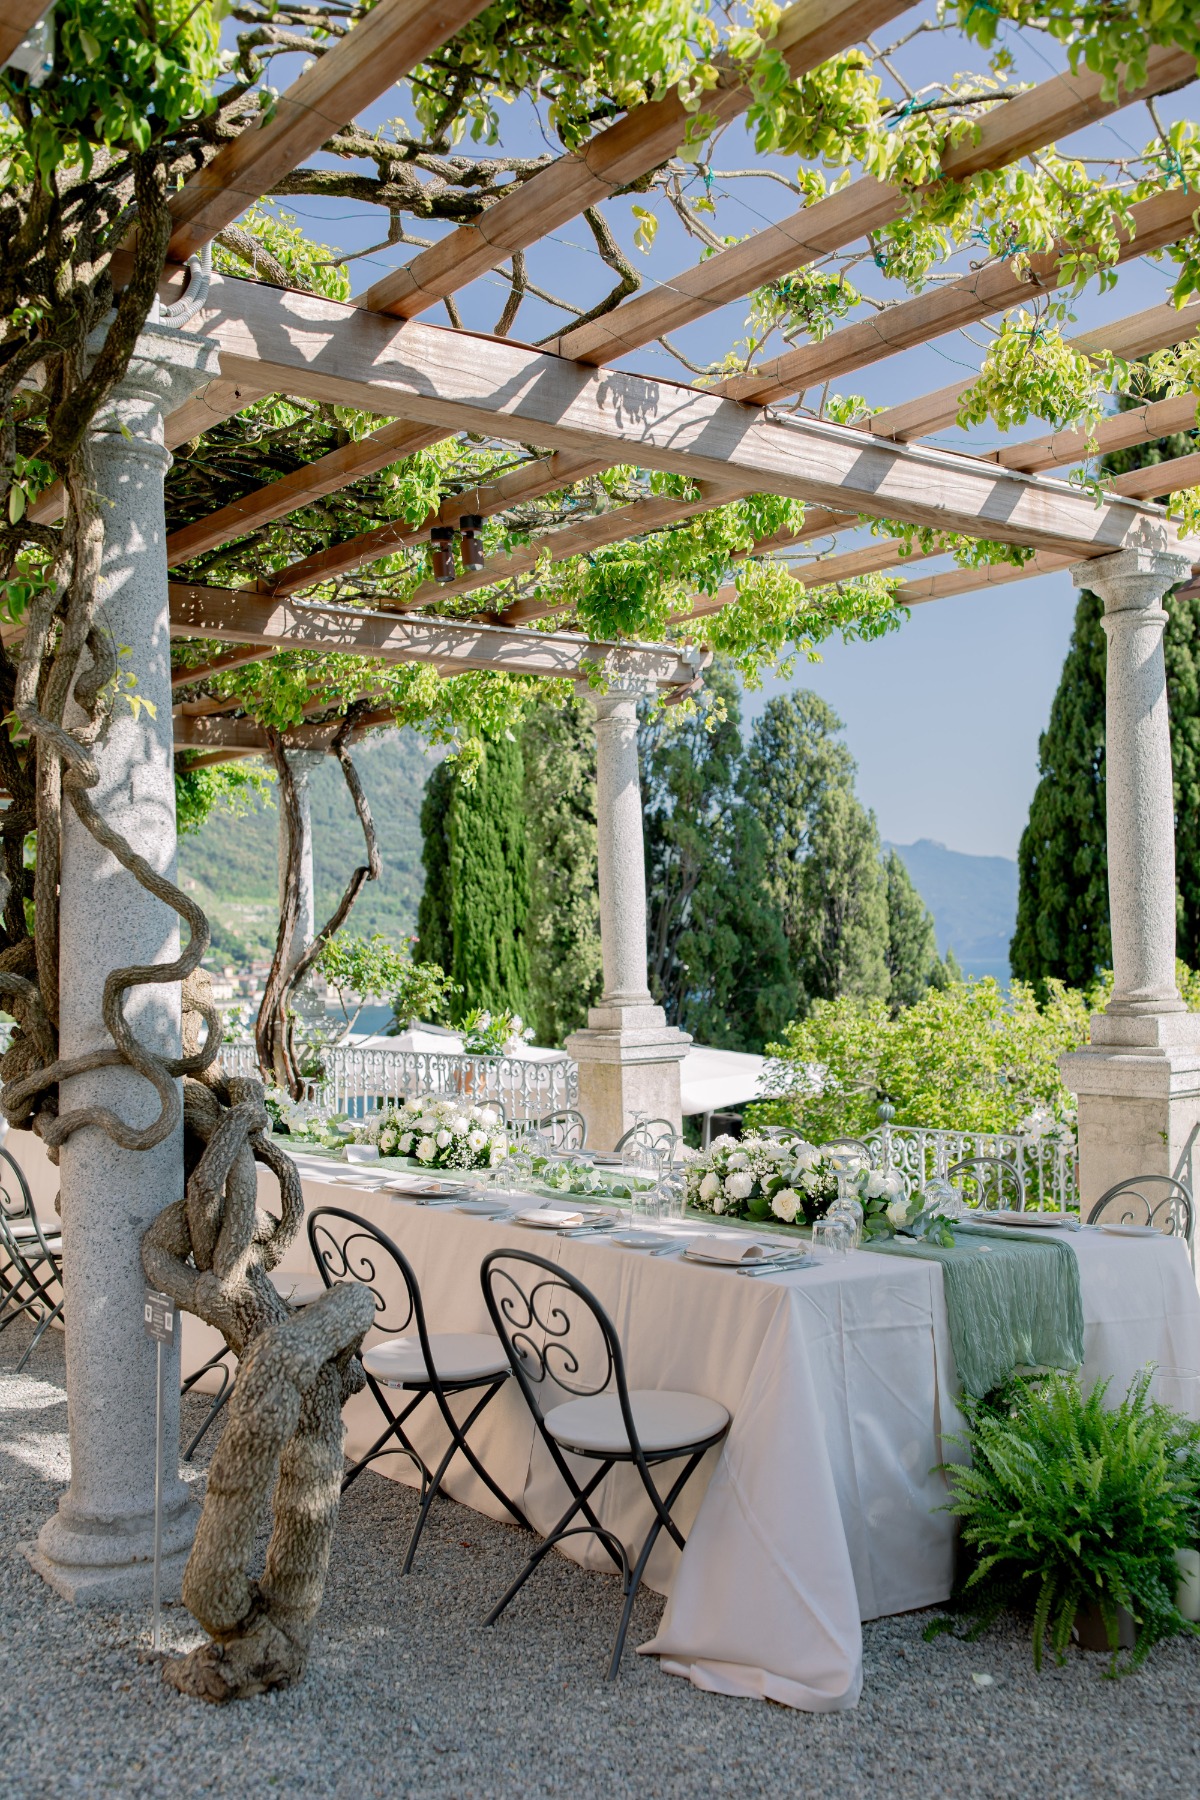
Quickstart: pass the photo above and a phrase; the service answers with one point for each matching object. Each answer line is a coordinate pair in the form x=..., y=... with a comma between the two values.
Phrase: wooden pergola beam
x=456, y=646
x=1137, y=335
x=1157, y=222
x=1055, y=108
x=305, y=345
x=642, y=140
x=382, y=48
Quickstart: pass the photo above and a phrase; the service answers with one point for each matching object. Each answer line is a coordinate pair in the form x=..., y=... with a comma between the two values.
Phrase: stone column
x=99, y=1544
x=629, y=1056
x=1138, y=1081
x=306, y=1002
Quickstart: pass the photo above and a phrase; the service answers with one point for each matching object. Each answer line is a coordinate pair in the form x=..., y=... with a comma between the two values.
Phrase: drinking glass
x=672, y=1190
x=830, y=1237
x=849, y=1213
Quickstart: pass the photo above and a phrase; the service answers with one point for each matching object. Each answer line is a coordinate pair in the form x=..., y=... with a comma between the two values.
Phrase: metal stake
x=156, y=1627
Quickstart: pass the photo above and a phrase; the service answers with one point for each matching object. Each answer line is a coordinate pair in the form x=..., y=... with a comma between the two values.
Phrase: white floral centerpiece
x=442, y=1134
x=796, y=1182
x=761, y=1178
x=302, y=1120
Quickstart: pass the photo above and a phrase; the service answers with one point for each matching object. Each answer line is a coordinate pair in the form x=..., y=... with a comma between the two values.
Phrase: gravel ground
x=407, y=1695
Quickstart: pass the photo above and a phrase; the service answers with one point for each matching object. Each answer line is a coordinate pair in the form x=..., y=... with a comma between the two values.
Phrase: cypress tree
x=472, y=915
x=489, y=882
x=435, y=942
x=563, y=924
x=913, y=963
x=823, y=853
x=1062, y=904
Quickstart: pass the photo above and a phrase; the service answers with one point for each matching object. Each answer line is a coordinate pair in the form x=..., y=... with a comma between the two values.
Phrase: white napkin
x=550, y=1217
x=729, y=1250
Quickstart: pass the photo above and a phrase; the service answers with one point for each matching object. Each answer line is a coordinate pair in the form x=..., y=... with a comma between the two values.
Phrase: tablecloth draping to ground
x=821, y=1509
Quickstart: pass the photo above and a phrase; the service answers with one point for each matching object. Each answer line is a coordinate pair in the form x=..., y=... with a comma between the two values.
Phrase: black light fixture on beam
x=441, y=553
x=470, y=525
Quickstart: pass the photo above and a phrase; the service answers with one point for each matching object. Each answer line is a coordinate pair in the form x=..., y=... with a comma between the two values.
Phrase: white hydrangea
x=723, y=1142
x=785, y=1204
x=739, y=1160
x=739, y=1185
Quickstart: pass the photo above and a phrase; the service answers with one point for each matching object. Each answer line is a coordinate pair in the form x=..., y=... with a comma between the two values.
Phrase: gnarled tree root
x=285, y=1415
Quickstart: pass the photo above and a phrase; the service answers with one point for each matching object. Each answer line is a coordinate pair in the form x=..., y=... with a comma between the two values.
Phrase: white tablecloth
x=821, y=1509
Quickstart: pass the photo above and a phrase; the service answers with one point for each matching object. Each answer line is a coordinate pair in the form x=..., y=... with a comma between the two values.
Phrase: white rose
x=710, y=1187
x=804, y=1156
x=810, y=1181
x=426, y=1149
x=897, y=1211
x=718, y=1204
x=443, y=1140
x=404, y=1144
x=723, y=1142
x=487, y=1115
x=876, y=1185
x=893, y=1182
x=739, y=1185
x=459, y=1126
x=427, y=1122
x=785, y=1204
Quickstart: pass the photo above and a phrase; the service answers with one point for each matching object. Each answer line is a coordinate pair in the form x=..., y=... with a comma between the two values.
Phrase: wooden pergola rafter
x=428, y=382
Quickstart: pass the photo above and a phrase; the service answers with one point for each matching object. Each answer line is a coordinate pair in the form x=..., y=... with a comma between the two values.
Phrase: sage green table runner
x=1012, y=1300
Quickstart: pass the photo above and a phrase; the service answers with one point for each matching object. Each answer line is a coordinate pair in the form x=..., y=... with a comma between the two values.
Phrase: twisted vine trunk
x=274, y=1032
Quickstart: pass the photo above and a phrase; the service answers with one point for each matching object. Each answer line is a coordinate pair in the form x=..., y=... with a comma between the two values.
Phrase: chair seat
x=298, y=1290
x=664, y=1419
x=457, y=1356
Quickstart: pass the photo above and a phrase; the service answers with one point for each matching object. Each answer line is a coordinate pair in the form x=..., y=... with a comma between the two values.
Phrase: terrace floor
x=407, y=1694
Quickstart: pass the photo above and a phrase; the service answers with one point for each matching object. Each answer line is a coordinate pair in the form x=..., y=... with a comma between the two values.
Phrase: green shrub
x=1069, y=1503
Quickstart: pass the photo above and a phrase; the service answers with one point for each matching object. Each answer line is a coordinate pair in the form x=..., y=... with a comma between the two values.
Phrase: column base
x=111, y=1561
x=629, y=1063
x=1138, y=1090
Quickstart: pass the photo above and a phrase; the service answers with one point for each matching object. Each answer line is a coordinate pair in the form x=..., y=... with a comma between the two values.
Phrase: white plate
x=642, y=1240
x=1118, y=1230
x=1038, y=1221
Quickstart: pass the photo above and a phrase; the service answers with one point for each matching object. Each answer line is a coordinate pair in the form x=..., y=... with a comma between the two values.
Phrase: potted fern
x=1073, y=1511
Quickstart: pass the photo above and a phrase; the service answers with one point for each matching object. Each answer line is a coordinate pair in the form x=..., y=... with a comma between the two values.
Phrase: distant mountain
x=973, y=900
x=231, y=865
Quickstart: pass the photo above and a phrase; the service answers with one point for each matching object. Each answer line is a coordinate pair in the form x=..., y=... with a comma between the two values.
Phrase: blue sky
x=944, y=715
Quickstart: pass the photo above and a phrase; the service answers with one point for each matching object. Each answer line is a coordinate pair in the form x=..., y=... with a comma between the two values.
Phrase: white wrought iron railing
x=357, y=1082
x=1046, y=1163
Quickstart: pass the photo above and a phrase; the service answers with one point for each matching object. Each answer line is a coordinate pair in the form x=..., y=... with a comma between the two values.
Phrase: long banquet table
x=822, y=1507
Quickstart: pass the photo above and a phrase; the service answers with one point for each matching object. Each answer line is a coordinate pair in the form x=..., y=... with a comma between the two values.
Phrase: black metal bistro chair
x=555, y=1330
x=1157, y=1200
x=567, y=1130
x=420, y=1363
x=30, y=1258
x=990, y=1183
x=300, y=1290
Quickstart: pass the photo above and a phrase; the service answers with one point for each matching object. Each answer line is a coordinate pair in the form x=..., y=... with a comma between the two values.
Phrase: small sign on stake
x=159, y=1317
